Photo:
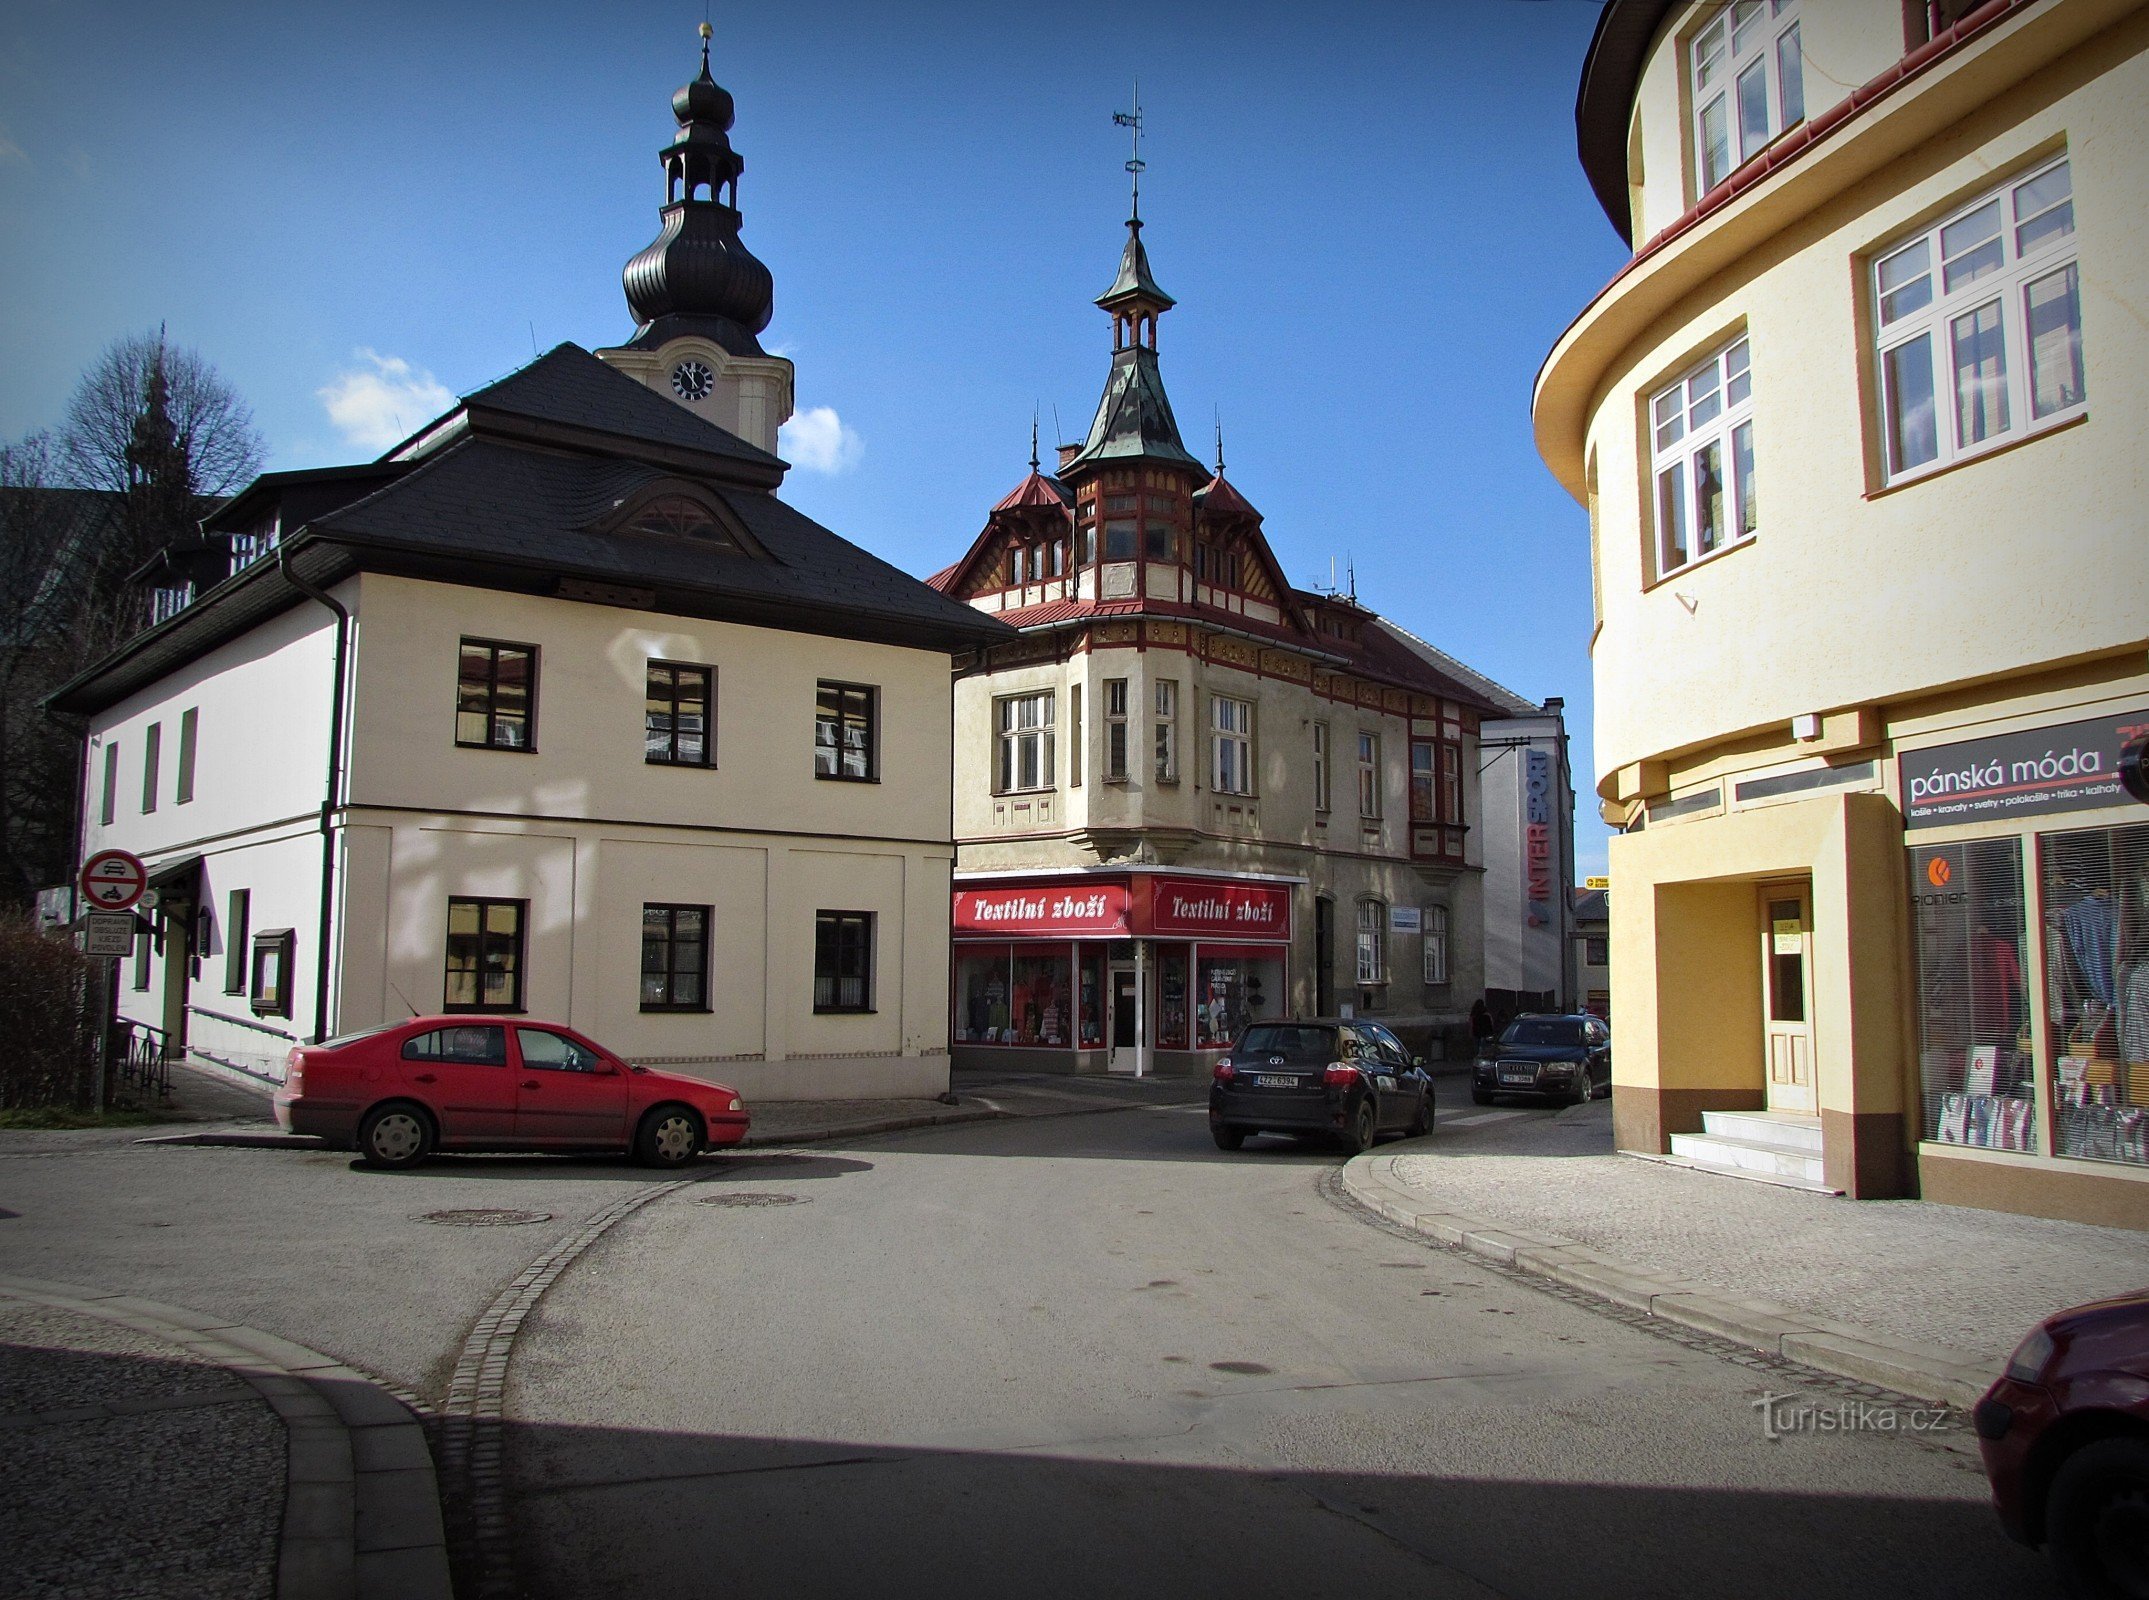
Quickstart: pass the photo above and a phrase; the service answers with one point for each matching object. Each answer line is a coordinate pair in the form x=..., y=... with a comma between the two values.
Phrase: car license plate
x=1518, y=1077
x=1266, y=1080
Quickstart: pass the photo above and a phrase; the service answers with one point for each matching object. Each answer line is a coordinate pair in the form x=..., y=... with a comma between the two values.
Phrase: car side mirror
x=1417, y=1061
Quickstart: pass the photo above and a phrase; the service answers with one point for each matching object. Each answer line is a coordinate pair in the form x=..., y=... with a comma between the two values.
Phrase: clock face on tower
x=692, y=381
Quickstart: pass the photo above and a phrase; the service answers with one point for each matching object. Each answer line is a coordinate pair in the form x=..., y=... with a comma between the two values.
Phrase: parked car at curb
x=1562, y=1057
x=1347, y=1079
x=2065, y=1437
x=396, y=1094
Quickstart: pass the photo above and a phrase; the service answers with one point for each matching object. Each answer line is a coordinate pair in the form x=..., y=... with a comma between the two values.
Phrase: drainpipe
x=334, y=785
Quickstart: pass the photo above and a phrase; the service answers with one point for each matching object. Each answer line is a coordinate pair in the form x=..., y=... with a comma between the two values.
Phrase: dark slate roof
x=1134, y=419
x=1135, y=282
x=1592, y=905
x=570, y=388
x=490, y=501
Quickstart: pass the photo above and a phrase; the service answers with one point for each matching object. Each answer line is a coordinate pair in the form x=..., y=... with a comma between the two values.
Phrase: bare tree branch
x=215, y=427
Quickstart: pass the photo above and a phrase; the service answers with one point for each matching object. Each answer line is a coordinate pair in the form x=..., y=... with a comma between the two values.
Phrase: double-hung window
x=1231, y=745
x=1074, y=736
x=1372, y=942
x=675, y=958
x=1702, y=434
x=1369, y=776
x=1115, y=730
x=1749, y=84
x=678, y=716
x=496, y=696
x=485, y=954
x=1978, y=326
x=843, y=961
x=1321, y=781
x=1025, y=741
x=844, y=742
x=152, y=749
x=1167, y=730
x=1436, y=946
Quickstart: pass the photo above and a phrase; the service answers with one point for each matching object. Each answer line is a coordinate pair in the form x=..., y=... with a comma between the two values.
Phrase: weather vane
x=706, y=33
x=1135, y=164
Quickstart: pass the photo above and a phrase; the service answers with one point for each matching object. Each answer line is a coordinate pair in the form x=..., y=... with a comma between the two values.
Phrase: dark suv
x=1346, y=1078
x=1554, y=1056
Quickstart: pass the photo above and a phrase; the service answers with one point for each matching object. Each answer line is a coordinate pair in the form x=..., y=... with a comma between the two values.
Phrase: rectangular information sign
x=108, y=933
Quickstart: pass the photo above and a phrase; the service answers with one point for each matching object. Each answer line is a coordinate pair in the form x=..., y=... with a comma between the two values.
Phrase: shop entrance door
x=1786, y=996
x=1123, y=1019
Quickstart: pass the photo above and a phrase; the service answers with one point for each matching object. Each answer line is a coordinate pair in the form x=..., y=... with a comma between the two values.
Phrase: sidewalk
x=154, y=1451
x=1926, y=1299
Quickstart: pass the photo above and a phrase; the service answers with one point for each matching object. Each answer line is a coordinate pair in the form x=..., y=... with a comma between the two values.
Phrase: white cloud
x=383, y=402
x=818, y=440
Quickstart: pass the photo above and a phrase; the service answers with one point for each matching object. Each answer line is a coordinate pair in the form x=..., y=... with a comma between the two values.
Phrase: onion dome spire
x=696, y=270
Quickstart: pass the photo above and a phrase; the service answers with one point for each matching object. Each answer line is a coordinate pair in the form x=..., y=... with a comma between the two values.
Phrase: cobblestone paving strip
x=469, y=1429
x=360, y=1507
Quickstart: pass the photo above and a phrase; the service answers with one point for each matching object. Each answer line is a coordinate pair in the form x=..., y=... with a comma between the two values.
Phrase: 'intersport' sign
x=2018, y=774
x=1537, y=835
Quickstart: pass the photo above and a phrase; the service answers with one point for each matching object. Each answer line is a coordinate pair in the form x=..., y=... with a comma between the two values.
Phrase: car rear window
x=475, y=1044
x=343, y=1039
x=1292, y=1043
x=1544, y=1030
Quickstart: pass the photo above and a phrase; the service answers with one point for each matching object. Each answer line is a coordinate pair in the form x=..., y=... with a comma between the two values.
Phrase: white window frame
x=1913, y=306
x=1745, y=66
x=1023, y=732
x=1436, y=946
x=1368, y=775
x=1706, y=417
x=1074, y=736
x=1372, y=943
x=1166, y=747
x=1115, y=730
x=1322, y=790
x=1231, y=745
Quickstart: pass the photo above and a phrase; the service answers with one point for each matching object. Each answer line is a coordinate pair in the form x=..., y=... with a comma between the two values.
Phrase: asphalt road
x=1091, y=1355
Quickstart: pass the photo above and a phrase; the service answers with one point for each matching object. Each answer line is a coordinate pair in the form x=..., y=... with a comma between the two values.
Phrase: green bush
x=45, y=1037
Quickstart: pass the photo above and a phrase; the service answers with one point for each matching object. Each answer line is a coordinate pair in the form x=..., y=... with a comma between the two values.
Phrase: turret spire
x=696, y=270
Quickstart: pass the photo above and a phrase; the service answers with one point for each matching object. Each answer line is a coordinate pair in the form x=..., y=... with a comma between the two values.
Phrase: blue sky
x=1371, y=215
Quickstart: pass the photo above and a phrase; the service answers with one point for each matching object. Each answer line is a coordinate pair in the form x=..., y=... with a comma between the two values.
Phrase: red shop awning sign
x=1172, y=907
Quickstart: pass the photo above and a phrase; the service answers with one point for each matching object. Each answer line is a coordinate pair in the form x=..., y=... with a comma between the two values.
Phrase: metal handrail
x=144, y=1064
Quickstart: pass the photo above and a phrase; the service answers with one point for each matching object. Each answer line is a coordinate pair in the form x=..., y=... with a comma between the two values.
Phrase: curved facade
x=1861, y=430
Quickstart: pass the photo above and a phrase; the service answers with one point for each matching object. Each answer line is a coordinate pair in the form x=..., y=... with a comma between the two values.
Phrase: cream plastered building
x=556, y=710
x=1861, y=432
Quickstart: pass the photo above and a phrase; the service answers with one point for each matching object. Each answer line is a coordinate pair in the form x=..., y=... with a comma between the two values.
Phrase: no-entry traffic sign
x=112, y=880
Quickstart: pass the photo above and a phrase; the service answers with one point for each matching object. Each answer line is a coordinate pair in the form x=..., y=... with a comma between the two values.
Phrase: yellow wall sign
x=1596, y=883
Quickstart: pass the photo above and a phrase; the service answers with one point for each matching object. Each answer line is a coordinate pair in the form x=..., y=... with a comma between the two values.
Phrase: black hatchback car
x=1350, y=1080
x=1551, y=1056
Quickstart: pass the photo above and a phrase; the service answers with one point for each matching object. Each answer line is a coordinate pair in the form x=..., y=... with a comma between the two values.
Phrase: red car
x=2065, y=1436
x=483, y=1083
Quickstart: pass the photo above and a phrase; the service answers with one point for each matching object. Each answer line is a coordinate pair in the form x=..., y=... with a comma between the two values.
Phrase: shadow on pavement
x=611, y=1511
x=604, y=1167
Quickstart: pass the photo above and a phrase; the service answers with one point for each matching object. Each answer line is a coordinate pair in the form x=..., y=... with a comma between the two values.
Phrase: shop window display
x=1019, y=997
x=2093, y=905
x=1091, y=1010
x=1171, y=997
x=1975, y=1064
x=1230, y=992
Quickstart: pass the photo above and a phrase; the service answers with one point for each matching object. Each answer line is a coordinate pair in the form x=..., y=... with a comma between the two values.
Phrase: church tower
x=698, y=295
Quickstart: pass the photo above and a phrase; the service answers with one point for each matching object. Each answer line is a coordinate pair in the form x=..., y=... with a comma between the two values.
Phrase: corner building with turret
x=1189, y=795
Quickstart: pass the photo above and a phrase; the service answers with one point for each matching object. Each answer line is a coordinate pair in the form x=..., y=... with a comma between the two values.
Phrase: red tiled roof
x=1220, y=499
x=1035, y=490
x=940, y=579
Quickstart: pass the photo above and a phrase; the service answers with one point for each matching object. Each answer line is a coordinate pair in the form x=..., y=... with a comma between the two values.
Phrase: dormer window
x=679, y=516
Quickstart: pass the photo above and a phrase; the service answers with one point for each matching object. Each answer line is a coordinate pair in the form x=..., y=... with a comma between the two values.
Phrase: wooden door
x=1787, y=997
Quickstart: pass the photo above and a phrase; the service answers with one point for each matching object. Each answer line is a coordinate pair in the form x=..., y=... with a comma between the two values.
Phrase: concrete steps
x=1777, y=1147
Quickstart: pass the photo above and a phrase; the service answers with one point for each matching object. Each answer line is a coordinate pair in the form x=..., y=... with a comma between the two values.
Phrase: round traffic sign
x=112, y=880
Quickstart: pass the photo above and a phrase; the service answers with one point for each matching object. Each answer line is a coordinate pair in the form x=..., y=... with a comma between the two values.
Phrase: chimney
x=1067, y=453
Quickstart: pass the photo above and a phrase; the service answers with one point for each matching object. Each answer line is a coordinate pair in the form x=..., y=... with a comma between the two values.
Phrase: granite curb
x=361, y=1516
x=1928, y=1372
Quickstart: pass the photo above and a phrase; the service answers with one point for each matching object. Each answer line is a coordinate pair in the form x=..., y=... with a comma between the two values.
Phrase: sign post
x=112, y=881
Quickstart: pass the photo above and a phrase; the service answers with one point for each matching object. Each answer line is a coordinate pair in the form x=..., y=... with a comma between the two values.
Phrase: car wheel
x=394, y=1136
x=1227, y=1138
x=1422, y=1123
x=2097, y=1518
x=670, y=1136
x=1481, y=1097
x=1363, y=1127
x=1586, y=1090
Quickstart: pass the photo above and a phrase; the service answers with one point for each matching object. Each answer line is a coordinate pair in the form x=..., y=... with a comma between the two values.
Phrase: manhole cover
x=484, y=1217
x=746, y=1198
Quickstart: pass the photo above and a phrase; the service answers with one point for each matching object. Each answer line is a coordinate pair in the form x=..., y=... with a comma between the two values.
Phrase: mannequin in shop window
x=1998, y=1002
